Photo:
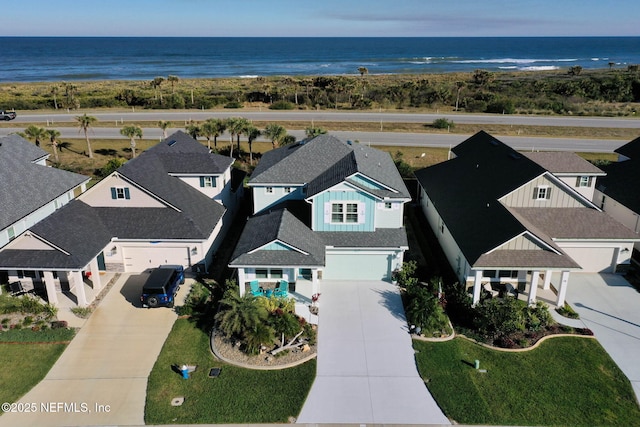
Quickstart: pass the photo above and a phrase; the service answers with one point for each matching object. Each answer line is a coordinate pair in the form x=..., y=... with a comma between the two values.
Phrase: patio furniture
x=256, y=290
x=487, y=287
x=510, y=290
x=16, y=288
x=282, y=289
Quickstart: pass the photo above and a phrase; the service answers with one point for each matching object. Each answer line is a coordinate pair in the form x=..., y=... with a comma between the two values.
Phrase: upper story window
x=287, y=190
x=268, y=190
x=542, y=192
x=584, y=181
x=120, y=193
x=344, y=213
x=207, y=181
x=388, y=205
x=11, y=232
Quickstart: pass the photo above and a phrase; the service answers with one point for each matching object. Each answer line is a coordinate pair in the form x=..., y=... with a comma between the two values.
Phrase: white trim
x=282, y=243
x=373, y=180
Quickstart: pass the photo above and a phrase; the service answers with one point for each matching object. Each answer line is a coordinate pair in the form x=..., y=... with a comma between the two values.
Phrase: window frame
x=584, y=181
x=347, y=213
x=543, y=192
x=268, y=190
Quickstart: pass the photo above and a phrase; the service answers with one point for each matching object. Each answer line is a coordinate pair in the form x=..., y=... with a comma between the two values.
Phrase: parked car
x=162, y=285
x=7, y=115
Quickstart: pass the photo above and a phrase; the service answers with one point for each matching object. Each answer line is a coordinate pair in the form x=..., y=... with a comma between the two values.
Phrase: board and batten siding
x=100, y=195
x=559, y=198
x=366, y=210
x=523, y=242
x=263, y=200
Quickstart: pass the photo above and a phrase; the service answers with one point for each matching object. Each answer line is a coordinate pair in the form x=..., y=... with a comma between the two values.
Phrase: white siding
x=560, y=197
x=100, y=195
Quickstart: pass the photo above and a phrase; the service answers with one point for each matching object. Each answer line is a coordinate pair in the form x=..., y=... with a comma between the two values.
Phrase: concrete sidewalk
x=101, y=378
x=366, y=365
x=609, y=306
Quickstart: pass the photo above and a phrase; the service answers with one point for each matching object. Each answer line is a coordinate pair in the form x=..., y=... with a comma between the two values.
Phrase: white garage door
x=138, y=259
x=368, y=266
x=593, y=260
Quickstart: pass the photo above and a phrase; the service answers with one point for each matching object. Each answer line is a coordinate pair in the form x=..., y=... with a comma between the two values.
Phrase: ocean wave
x=512, y=61
x=539, y=68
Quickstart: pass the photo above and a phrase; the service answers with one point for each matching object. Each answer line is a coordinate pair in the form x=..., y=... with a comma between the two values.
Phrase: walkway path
x=101, y=378
x=366, y=365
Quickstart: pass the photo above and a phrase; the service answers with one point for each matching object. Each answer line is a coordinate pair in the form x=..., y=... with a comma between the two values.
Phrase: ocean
x=28, y=59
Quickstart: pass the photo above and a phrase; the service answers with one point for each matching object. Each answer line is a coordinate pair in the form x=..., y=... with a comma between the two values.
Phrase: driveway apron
x=101, y=378
x=608, y=305
x=366, y=365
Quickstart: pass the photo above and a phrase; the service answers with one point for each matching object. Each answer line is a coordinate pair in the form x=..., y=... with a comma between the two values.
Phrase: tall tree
x=213, y=128
x=363, y=71
x=55, y=89
x=193, y=129
x=53, y=138
x=459, y=86
x=275, y=133
x=164, y=125
x=235, y=126
x=36, y=133
x=132, y=132
x=84, y=123
x=252, y=133
x=156, y=83
x=173, y=80
x=314, y=131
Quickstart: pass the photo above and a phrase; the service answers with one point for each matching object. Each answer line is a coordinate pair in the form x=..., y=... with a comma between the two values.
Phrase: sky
x=321, y=18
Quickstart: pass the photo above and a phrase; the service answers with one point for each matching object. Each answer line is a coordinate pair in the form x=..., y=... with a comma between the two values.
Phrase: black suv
x=162, y=285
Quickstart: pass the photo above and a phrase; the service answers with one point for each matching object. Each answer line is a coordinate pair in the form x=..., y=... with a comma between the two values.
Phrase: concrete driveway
x=101, y=378
x=366, y=366
x=610, y=307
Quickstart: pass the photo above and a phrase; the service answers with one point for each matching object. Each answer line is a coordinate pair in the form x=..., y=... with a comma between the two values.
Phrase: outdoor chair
x=282, y=289
x=17, y=288
x=487, y=287
x=256, y=290
x=510, y=290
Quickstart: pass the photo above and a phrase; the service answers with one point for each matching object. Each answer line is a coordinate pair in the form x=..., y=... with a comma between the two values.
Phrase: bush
x=282, y=105
x=443, y=124
x=233, y=104
x=501, y=107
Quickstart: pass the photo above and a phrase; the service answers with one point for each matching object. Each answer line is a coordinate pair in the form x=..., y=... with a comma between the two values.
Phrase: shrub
x=59, y=324
x=233, y=104
x=501, y=107
x=443, y=124
x=81, y=312
x=282, y=105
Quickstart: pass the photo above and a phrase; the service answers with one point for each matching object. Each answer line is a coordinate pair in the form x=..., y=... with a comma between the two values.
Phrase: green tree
x=132, y=132
x=164, y=125
x=235, y=127
x=213, y=128
x=275, y=133
x=173, y=80
x=252, y=133
x=84, y=123
x=193, y=129
x=111, y=166
x=363, y=71
x=314, y=131
x=244, y=318
x=53, y=136
x=36, y=133
x=459, y=86
x=156, y=84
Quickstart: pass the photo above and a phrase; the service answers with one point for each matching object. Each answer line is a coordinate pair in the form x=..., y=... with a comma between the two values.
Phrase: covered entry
x=359, y=265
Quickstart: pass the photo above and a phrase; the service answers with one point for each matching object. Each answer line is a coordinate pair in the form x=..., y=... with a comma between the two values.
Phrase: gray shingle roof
x=562, y=163
x=630, y=149
x=324, y=161
x=381, y=238
x=518, y=259
x=621, y=182
x=26, y=186
x=278, y=225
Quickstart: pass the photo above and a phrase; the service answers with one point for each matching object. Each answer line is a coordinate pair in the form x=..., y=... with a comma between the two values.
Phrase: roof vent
x=514, y=155
x=494, y=142
x=171, y=143
x=349, y=142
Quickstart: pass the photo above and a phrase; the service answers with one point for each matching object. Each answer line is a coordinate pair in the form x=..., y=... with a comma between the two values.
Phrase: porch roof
x=506, y=259
x=381, y=238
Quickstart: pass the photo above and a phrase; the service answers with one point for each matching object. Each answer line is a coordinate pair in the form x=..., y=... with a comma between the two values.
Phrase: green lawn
x=236, y=396
x=565, y=381
x=24, y=366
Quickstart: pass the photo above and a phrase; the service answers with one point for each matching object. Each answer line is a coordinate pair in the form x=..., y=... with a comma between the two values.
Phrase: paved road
x=366, y=366
x=106, y=364
x=443, y=140
x=342, y=116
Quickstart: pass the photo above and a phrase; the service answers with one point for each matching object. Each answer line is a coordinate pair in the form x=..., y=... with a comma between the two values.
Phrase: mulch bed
x=234, y=354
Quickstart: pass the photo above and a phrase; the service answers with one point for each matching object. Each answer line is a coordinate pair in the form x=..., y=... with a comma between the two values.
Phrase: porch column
x=95, y=275
x=241, y=280
x=476, y=286
x=547, y=280
x=314, y=281
x=76, y=277
x=535, y=275
x=50, y=285
x=562, y=291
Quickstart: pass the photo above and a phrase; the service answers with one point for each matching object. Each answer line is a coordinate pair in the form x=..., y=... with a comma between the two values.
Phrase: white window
x=388, y=205
x=287, y=190
x=344, y=213
x=542, y=192
x=207, y=181
x=268, y=190
x=584, y=181
x=12, y=233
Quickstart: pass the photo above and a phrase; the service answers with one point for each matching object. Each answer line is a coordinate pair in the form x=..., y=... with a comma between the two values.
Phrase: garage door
x=138, y=259
x=366, y=266
x=593, y=260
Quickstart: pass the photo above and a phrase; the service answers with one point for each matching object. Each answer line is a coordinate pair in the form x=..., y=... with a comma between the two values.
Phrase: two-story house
x=505, y=216
x=618, y=194
x=163, y=207
x=323, y=209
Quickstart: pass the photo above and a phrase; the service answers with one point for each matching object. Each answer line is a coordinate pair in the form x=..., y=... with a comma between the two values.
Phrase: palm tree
x=275, y=133
x=193, y=129
x=235, y=126
x=252, y=133
x=363, y=71
x=132, y=132
x=173, y=80
x=36, y=133
x=314, y=131
x=53, y=137
x=459, y=86
x=213, y=128
x=156, y=83
x=164, y=125
x=84, y=123
x=55, y=89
